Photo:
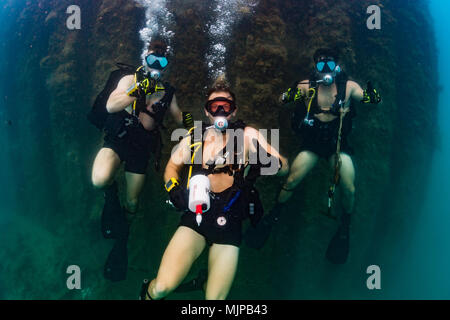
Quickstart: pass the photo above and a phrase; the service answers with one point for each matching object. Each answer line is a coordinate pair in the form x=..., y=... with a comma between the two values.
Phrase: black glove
x=371, y=95
x=292, y=95
x=179, y=197
x=145, y=87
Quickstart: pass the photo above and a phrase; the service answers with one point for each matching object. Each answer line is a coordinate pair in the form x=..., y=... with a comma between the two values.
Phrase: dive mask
x=156, y=61
x=220, y=107
x=327, y=70
x=326, y=66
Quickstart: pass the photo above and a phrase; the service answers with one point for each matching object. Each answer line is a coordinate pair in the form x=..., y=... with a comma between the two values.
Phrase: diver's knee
x=291, y=181
x=161, y=289
x=132, y=204
x=215, y=295
x=349, y=189
x=100, y=180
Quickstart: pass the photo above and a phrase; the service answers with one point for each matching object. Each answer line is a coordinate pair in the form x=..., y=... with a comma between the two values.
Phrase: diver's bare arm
x=119, y=100
x=175, y=110
x=304, y=86
x=172, y=171
x=179, y=157
x=251, y=134
x=357, y=92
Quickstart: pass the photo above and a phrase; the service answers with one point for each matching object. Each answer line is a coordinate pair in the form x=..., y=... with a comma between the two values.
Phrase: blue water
x=424, y=268
x=433, y=240
x=7, y=195
x=424, y=271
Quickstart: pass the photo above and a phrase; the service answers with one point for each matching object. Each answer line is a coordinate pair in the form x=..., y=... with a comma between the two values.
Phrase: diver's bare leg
x=302, y=165
x=105, y=167
x=184, y=248
x=135, y=184
x=339, y=246
x=347, y=182
x=223, y=261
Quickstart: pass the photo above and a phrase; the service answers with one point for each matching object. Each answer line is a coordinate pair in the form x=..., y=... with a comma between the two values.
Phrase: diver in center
x=324, y=109
x=217, y=195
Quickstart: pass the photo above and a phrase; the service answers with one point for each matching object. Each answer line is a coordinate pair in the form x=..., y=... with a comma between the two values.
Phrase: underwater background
x=50, y=76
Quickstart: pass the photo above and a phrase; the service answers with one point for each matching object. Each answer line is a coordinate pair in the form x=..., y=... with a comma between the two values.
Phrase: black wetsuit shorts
x=132, y=143
x=222, y=223
x=322, y=137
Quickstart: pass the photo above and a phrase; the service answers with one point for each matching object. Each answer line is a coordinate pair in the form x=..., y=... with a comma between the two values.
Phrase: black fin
x=256, y=237
x=338, y=248
x=144, y=290
x=113, y=221
x=117, y=262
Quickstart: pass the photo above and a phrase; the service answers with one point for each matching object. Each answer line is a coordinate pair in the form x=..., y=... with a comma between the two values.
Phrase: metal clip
x=309, y=122
x=128, y=122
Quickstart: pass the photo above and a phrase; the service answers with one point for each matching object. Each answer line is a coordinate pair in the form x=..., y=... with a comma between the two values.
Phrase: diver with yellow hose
x=218, y=197
x=130, y=110
x=323, y=121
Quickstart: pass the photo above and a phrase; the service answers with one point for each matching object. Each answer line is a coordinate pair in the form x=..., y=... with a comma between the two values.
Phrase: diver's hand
x=178, y=197
x=142, y=88
x=293, y=94
x=370, y=95
x=148, y=86
x=284, y=98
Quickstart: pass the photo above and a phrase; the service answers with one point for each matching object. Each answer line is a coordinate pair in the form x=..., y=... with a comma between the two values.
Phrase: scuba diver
x=323, y=119
x=130, y=110
x=219, y=193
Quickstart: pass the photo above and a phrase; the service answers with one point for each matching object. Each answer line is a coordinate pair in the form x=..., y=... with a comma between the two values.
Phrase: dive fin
x=256, y=237
x=113, y=221
x=144, y=290
x=117, y=262
x=338, y=248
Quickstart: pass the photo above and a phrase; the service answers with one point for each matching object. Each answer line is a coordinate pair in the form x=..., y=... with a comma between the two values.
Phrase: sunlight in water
x=158, y=22
x=226, y=13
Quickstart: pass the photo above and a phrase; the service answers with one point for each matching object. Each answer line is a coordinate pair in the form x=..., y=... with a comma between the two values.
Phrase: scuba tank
x=199, y=201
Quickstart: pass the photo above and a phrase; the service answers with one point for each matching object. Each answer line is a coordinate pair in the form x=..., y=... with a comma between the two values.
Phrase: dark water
x=40, y=237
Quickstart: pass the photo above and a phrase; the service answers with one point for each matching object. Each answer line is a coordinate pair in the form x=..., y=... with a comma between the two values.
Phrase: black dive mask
x=327, y=70
x=220, y=107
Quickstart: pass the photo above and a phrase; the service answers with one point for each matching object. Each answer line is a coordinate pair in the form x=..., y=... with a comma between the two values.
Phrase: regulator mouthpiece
x=328, y=80
x=155, y=74
x=221, y=123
